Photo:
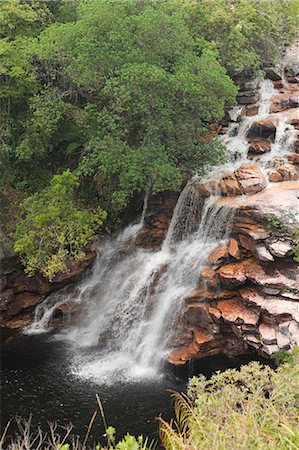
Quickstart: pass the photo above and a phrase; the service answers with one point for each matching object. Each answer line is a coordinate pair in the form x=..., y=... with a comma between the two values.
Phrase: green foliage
x=152, y=94
x=123, y=93
x=54, y=230
x=274, y=225
x=252, y=408
x=296, y=257
x=247, y=33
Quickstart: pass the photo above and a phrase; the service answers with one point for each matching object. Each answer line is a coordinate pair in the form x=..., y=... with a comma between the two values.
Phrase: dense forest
x=104, y=99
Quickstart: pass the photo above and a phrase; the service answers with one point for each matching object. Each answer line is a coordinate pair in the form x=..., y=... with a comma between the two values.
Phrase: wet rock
x=293, y=158
x=235, y=311
x=229, y=185
x=288, y=172
x=251, y=179
x=248, y=98
x=233, y=248
x=206, y=189
x=274, y=176
x=252, y=110
x=273, y=73
x=264, y=128
x=201, y=336
x=219, y=254
x=276, y=161
x=209, y=277
x=284, y=101
x=259, y=147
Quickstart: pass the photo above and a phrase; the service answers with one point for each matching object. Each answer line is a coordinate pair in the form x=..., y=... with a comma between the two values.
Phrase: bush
x=253, y=408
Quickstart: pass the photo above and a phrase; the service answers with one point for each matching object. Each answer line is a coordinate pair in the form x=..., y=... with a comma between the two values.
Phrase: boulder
x=259, y=147
x=264, y=128
x=206, y=189
x=209, y=277
x=276, y=161
x=288, y=172
x=274, y=176
x=273, y=73
x=252, y=110
x=229, y=185
x=293, y=158
x=284, y=101
x=248, y=97
x=251, y=179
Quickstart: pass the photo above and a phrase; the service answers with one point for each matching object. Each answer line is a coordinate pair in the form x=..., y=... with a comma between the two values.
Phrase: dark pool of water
x=36, y=378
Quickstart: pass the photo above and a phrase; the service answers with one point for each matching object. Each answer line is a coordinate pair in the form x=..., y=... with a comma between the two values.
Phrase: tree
x=54, y=230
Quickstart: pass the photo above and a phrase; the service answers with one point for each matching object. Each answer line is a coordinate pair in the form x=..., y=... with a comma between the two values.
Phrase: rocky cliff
x=247, y=298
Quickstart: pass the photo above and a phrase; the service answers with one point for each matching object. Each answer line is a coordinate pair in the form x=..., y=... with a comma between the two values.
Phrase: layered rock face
x=20, y=294
x=247, y=297
x=248, y=294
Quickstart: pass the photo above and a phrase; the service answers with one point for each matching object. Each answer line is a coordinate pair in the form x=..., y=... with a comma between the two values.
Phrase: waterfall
x=131, y=301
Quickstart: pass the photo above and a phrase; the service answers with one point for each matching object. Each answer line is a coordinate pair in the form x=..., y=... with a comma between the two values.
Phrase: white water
x=132, y=299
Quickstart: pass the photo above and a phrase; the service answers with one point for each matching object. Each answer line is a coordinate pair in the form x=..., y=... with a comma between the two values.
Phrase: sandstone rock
x=264, y=128
x=284, y=101
x=206, y=189
x=280, y=248
x=251, y=179
x=274, y=176
x=263, y=253
x=219, y=254
x=283, y=341
x=229, y=185
x=293, y=158
x=259, y=147
x=196, y=314
x=235, y=311
x=247, y=98
x=209, y=277
x=273, y=73
x=252, y=110
x=276, y=161
x=288, y=172
x=267, y=334
x=233, y=274
x=247, y=242
x=201, y=336
x=278, y=84
x=233, y=249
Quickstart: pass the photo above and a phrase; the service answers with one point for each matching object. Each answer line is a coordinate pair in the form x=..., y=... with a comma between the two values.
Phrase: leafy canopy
x=54, y=230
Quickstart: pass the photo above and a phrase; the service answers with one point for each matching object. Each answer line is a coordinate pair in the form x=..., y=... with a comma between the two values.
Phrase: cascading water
x=131, y=300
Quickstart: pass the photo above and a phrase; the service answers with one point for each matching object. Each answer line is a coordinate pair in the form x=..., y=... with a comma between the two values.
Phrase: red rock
x=284, y=101
x=233, y=249
x=209, y=277
x=206, y=189
x=251, y=179
x=201, y=336
x=264, y=128
x=219, y=254
x=252, y=110
x=276, y=162
x=235, y=311
x=233, y=274
x=288, y=172
x=267, y=333
x=196, y=314
x=229, y=185
x=293, y=158
x=278, y=84
x=246, y=242
x=259, y=147
x=274, y=176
